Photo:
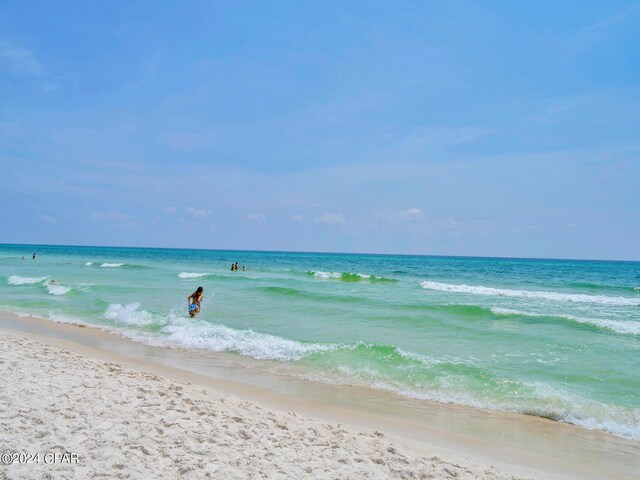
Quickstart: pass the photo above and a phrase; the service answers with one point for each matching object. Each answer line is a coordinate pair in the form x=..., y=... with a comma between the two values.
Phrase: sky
x=481, y=128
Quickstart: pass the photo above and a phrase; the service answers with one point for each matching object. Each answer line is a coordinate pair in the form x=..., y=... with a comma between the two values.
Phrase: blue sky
x=465, y=128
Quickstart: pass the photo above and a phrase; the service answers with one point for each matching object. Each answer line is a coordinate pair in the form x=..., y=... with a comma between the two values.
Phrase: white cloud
x=198, y=213
x=97, y=215
x=46, y=218
x=296, y=218
x=331, y=219
x=117, y=216
x=169, y=210
x=19, y=60
x=411, y=212
x=258, y=217
x=590, y=35
x=549, y=114
x=400, y=215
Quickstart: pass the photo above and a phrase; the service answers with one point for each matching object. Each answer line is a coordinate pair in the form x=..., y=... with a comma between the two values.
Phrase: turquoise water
x=553, y=338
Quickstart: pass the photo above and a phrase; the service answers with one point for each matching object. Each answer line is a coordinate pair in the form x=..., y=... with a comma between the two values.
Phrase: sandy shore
x=124, y=423
x=133, y=411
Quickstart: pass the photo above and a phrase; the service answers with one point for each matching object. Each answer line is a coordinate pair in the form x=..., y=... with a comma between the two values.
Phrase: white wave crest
x=553, y=296
x=347, y=276
x=56, y=288
x=111, y=265
x=337, y=275
x=219, y=338
x=509, y=311
x=88, y=264
x=129, y=314
x=192, y=275
x=327, y=275
x=16, y=280
x=615, y=325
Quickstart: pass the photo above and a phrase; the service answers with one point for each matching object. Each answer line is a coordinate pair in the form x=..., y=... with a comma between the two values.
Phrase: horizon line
x=324, y=252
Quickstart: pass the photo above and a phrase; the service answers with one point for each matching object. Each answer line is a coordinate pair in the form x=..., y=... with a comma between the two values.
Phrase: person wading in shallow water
x=194, y=300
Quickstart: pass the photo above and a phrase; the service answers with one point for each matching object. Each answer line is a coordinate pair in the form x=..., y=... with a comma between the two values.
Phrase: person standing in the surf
x=194, y=300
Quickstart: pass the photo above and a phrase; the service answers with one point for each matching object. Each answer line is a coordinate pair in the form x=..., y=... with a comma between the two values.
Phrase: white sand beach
x=132, y=423
x=124, y=423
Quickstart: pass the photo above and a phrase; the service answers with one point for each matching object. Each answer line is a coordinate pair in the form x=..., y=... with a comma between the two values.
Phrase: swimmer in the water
x=194, y=300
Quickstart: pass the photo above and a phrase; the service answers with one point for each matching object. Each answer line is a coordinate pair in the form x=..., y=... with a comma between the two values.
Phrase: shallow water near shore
x=557, y=339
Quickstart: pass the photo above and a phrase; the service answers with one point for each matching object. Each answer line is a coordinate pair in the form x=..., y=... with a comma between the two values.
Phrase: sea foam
x=615, y=325
x=220, y=338
x=52, y=288
x=192, y=275
x=348, y=276
x=552, y=296
x=16, y=280
x=129, y=314
x=112, y=265
x=327, y=275
x=56, y=289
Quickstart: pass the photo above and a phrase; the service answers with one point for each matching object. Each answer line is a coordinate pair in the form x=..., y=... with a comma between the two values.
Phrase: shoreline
x=102, y=420
x=514, y=443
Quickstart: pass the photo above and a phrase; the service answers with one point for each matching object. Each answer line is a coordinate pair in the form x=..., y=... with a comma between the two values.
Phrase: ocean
x=558, y=339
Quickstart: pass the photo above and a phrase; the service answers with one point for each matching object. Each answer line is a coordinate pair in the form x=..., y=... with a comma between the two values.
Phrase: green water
x=559, y=339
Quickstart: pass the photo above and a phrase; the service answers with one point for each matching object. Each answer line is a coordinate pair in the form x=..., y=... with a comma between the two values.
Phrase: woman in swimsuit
x=194, y=300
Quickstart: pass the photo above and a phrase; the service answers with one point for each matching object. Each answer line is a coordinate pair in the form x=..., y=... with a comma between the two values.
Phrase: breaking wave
x=552, y=296
x=192, y=275
x=16, y=280
x=349, y=277
x=56, y=288
x=190, y=333
x=129, y=314
x=618, y=326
